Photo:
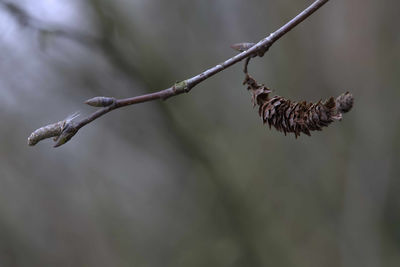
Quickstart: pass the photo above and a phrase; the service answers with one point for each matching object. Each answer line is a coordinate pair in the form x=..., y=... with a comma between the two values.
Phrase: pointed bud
x=344, y=102
x=44, y=132
x=241, y=47
x=51, y=130
x=100, y=101
x=67, y=133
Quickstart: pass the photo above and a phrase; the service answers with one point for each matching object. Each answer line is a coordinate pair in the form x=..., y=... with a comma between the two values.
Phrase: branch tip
x=55, y=130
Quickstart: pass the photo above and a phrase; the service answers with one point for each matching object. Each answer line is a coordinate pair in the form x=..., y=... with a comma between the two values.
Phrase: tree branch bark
x=70, y=128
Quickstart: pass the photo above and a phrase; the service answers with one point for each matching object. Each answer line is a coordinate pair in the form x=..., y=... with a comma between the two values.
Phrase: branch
x=70, y=128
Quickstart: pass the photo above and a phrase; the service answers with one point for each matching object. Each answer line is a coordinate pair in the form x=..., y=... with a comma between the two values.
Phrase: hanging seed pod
x=51, y=130
x=100, y=101
x=297, y=117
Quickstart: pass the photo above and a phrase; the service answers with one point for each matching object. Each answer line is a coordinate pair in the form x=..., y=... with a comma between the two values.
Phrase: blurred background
x=197, y=180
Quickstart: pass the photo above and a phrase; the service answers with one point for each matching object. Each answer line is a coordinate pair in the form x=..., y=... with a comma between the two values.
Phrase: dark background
x=197, y=180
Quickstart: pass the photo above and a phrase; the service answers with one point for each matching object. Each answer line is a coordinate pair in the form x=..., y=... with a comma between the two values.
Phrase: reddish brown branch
x=185, y=86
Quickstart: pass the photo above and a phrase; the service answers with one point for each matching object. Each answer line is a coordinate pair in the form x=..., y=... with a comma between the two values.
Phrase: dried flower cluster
x=296, y=117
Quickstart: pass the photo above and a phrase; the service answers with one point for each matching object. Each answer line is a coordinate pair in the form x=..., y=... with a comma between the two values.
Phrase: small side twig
x=253, y=50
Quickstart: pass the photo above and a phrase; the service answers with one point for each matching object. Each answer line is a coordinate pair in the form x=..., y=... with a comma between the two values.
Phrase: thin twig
x=185, y=86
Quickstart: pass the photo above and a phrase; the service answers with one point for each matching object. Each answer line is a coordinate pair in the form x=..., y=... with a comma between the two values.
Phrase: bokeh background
x=197, y=180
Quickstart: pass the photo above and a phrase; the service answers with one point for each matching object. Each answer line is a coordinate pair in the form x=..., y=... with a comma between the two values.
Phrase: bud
x=51, y=130
x=100, y=101
x=67, y=133
x=344, y=102
x=241, y=47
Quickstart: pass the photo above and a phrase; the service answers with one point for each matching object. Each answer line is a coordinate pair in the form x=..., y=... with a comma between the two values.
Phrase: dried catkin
x=296, y=117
